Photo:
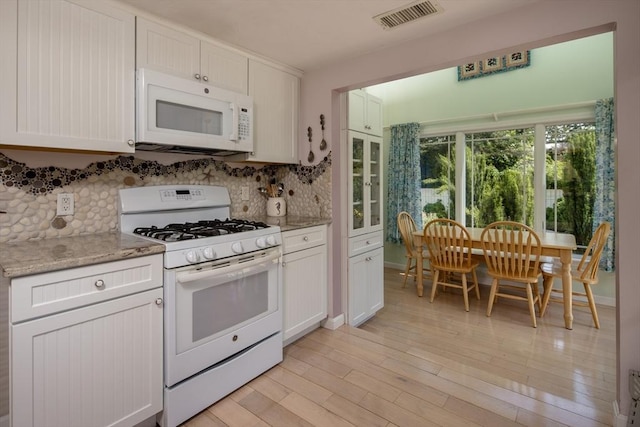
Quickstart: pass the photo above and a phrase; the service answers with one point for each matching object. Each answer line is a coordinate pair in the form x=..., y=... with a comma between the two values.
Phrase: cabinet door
x=375, y=280
x=357, y=183
x=366, y=285
x=164, y=49
x=358, y=292
x=94, y=366
x=74, y=83
x=275, y=109
x=365, y=183
x=357, y=110
x=374, y=179
x=374, y=115
x=365, y=113
x=223, y=68
x=305, y=289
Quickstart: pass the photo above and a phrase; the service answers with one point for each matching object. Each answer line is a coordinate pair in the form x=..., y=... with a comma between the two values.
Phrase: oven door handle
x=245, y=268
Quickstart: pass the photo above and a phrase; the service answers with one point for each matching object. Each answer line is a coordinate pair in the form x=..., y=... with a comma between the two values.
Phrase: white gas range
x=222, y=292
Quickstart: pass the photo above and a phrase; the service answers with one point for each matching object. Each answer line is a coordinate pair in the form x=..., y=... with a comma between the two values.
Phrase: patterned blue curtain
x=403, y=177
x=604, y=204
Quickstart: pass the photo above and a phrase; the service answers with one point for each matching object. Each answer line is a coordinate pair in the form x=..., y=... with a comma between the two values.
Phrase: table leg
x=567, y=291
x=419, y=285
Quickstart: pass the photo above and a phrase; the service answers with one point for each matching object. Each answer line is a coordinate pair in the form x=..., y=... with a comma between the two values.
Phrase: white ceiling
x=309, y=34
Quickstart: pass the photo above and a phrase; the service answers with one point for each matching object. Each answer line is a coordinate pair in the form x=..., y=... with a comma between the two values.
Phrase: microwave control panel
x=244, y=124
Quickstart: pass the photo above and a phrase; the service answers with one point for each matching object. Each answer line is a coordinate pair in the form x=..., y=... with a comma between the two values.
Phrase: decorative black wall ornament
x=493, y=65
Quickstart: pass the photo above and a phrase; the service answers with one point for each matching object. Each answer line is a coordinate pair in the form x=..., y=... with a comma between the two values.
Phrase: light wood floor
x=422, y=364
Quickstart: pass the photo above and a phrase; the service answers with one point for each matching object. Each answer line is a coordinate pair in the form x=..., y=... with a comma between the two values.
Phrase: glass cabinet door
x=365, y=183
x=375, y=185
x=357, y=182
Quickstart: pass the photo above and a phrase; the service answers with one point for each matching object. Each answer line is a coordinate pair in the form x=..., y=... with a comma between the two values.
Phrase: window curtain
x=604, y=204
x=403, y=178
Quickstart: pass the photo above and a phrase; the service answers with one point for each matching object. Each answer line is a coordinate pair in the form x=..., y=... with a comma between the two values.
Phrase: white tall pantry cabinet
x=68, y=75
x=365, y=207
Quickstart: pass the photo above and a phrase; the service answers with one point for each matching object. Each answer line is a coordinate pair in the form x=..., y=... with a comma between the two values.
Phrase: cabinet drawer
x=366, y=242
x=48, y=293
x=296, y=240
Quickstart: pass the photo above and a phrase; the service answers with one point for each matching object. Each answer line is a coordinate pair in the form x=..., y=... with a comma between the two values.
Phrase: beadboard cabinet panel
x=275, y=97
x=224, y=68
x=95, y=366
x=73, y=82
x=172, y=51
x=167, y=50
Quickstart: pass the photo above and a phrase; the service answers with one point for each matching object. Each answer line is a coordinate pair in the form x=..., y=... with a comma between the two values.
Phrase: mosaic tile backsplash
x=28, y=196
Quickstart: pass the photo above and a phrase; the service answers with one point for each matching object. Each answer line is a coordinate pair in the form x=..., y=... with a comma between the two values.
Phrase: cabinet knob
x=159, y=301
x=205, y=78
x=197, y=76
x=305, y=238
x=284, y=263
x=367, y=242
x=130, y=143
x=99, y=284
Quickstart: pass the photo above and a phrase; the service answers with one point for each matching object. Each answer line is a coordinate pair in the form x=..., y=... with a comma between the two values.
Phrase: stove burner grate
x=200, y=229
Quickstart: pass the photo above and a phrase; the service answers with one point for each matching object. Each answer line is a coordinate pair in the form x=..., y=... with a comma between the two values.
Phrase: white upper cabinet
x=275, y=95
x=172, y=51
x=68, y=75
x=365, y=113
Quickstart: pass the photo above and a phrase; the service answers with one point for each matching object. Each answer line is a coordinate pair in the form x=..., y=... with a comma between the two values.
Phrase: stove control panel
x=264, y=241
x=232, y=246
x=172, y=195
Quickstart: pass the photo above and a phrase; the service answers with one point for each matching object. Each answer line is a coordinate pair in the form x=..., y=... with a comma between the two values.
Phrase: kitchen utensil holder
x=276, y=206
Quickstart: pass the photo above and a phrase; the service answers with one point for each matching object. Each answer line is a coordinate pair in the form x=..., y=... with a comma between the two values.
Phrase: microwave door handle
x=235, y=114
x=246, y=268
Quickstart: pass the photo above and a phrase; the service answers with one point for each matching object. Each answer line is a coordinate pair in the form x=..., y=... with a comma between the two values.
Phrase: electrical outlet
x=244, y=193
x=65, y=204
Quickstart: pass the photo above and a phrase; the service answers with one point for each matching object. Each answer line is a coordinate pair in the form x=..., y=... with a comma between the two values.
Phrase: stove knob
x=271, y=240
x=237, y=247
x=209, y=253
x=261, y=242
x=193, y=257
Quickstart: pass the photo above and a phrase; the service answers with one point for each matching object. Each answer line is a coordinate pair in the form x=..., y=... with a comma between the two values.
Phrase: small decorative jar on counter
x=276, y=206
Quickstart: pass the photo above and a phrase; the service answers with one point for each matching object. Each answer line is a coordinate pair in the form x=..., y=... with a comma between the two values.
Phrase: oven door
x=216, y=310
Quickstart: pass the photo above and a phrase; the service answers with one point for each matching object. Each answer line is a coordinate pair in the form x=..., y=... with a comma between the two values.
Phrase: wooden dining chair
x=407, y=226
x=449, y=246
x=512, y=254
x=586, y=273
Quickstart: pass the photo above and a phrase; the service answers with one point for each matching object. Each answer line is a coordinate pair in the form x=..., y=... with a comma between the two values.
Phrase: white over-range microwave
x=179, y=115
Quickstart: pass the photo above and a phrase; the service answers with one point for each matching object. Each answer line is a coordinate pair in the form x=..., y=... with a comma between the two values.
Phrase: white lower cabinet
x=304, y=280
x=366, y=278
x=96, y=365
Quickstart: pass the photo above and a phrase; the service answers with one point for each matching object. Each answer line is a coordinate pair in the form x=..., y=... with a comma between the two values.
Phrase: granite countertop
x=39, y=256
x=290, y=222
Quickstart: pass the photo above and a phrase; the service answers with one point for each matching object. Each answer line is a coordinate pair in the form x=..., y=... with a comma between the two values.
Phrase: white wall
x=539, y=24
x=563, y=74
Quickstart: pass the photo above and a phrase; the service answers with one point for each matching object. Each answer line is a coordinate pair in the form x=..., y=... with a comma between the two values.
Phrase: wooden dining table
x=557, y=245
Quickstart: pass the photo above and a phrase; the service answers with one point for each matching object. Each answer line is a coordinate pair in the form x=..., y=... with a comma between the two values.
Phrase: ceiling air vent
x=411, y=12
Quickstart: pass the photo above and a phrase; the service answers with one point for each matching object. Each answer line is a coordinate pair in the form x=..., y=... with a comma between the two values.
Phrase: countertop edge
x=47, y=255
